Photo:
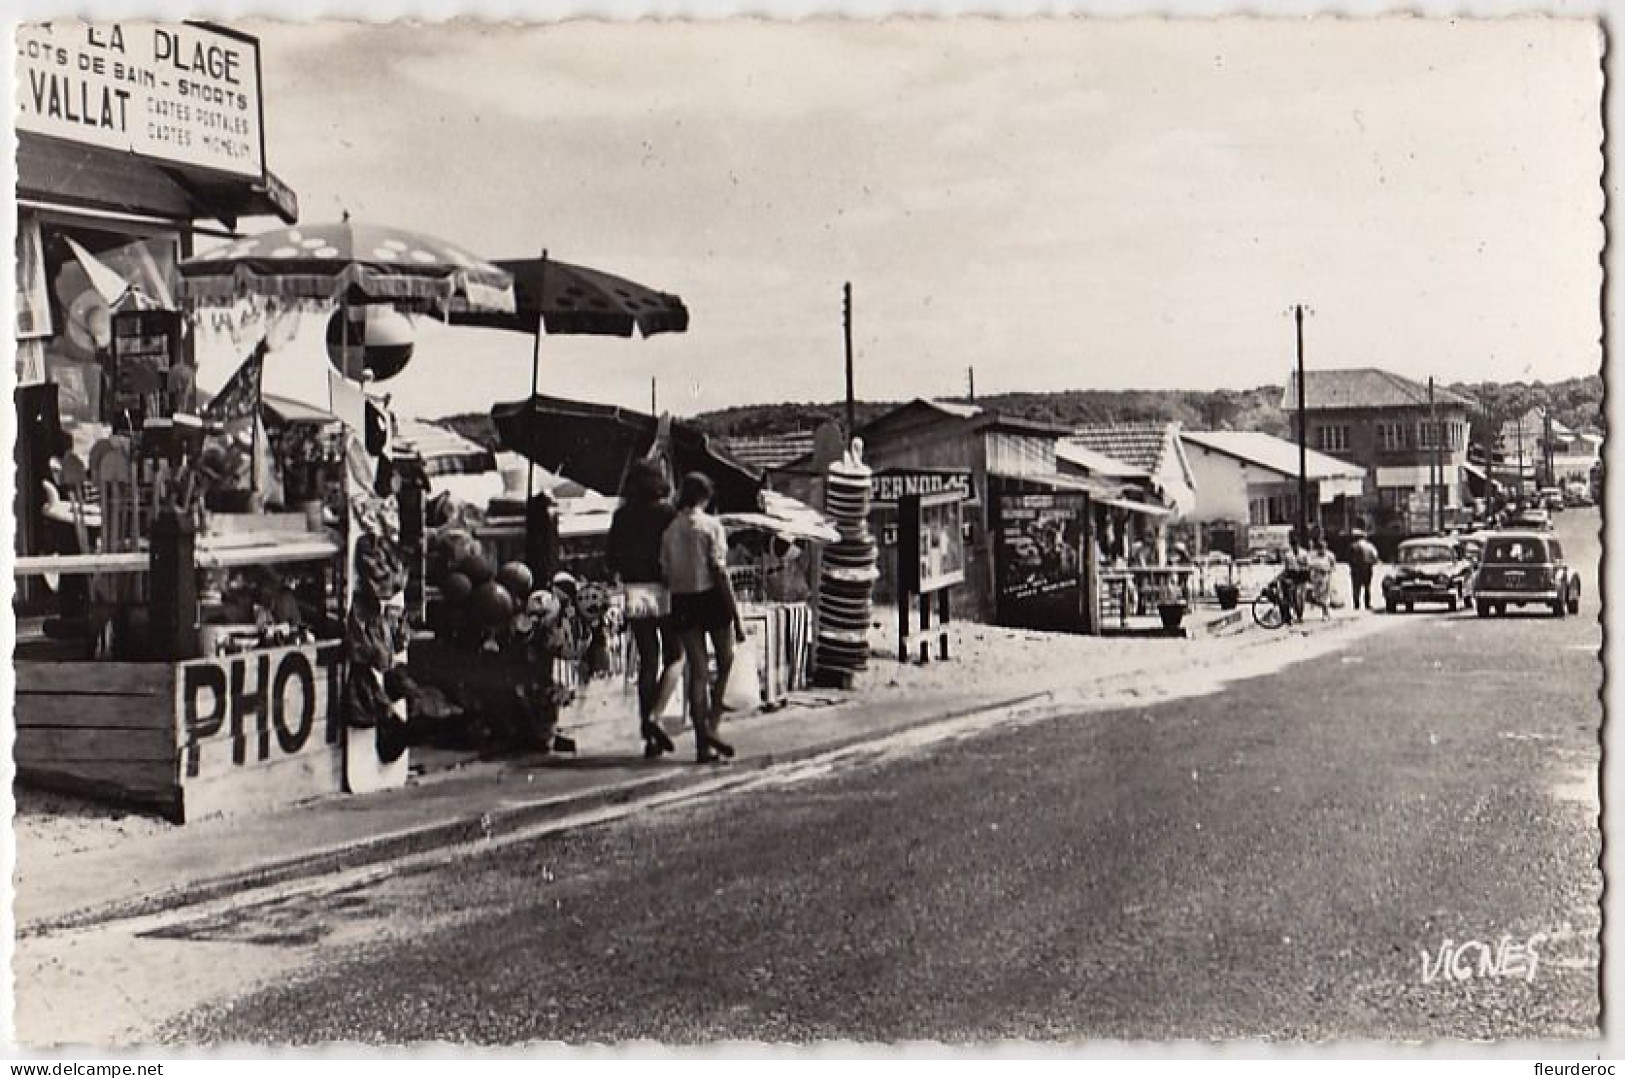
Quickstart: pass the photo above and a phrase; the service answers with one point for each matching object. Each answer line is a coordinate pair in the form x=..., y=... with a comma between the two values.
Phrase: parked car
x=1532, y=519
x=1551, y=499
x=1429, y=570
x=1577, y=493
x=1525, y=567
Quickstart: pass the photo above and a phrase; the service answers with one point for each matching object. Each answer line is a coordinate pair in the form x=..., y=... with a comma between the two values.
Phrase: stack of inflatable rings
x=848, y=574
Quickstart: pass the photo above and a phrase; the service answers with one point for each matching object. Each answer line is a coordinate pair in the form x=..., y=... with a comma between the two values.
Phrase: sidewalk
x=136, y=865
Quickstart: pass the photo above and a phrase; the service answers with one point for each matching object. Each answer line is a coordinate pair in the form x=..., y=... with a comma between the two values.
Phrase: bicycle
x=1267, y=605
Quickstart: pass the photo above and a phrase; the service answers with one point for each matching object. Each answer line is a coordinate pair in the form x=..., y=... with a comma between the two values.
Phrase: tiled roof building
x=1364, y=387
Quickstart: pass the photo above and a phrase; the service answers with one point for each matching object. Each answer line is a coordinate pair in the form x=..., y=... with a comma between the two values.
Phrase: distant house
x=1149, y=450
x=1384, y=423
x=1549, y=455
x=1251, y=478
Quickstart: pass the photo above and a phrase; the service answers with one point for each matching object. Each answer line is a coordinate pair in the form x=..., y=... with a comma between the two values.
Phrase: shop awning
x=66, y=175
x=1100, y=492
x=1333, y=487
x=1145, y=508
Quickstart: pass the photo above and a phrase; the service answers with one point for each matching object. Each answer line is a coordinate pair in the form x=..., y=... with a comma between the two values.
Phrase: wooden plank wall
x=99, y=729
x=234, y=734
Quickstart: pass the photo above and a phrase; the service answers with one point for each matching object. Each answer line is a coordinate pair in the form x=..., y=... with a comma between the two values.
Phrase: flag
x=239, y=398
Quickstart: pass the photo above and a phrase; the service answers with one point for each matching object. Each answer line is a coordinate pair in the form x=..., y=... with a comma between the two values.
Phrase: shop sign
x=180, y=93
x=1040, y=545
x=258, y=707
x=1268, y=538
x=894, y=484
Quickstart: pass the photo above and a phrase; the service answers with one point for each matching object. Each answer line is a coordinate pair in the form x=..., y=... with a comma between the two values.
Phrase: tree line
x=1577, y=403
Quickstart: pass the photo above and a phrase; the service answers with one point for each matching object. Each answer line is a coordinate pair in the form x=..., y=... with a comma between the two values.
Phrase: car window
x=1514, y=551
x=1415, y=555
x=1557, y=550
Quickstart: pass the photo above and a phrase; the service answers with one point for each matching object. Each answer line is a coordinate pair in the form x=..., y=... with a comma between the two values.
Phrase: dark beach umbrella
x=570, y=300
x=594, y=444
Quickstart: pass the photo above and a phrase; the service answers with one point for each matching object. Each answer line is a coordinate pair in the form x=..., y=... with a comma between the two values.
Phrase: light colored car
x=1532, y=519
x=1523, y=568
x=1429, y=570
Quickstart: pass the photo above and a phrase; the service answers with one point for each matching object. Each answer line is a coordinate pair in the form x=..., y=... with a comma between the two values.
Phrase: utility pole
x=972, y=373
x=1519, y=502
x=851, y=389
x=1546, y=448
x=654, y=408
x=1303, y=437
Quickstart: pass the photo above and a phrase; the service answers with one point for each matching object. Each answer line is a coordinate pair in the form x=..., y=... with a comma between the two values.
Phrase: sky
x=1062, y=203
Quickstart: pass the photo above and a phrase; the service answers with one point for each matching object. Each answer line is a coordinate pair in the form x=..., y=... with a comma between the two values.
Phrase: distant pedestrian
x=633, y=555
x=1363, y=559
x=694, y=558
x=1321, y=565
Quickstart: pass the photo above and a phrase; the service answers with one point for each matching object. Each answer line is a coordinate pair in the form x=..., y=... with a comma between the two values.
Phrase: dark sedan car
x=1427, y=571
x=1520, y=568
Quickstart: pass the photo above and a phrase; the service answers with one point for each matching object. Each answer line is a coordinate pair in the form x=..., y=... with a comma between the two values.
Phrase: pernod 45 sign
x=184, y=94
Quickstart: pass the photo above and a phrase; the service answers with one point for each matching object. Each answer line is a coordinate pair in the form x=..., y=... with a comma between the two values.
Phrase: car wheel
x=1559, y=608
x=1483, y=608
x=1389, y=605
x=1500, y=609
x=1450, y=603
x=1574, y=603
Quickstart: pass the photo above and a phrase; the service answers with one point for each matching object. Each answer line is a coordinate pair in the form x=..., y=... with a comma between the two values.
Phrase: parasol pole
x=535, y=387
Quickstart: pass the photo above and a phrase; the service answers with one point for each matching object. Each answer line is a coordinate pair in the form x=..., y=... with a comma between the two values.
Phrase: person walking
x=694, y=560
x=633, y=555
x=1291, y=566
x=1363, y=559
x=1321, y=565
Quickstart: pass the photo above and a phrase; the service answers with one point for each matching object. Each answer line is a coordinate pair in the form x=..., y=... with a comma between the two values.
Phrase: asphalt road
x=1279, y=860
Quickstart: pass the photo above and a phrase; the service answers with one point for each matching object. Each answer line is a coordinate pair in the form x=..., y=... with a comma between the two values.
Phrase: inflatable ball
x=516, y=577
x=492, y=605
x=456, y=589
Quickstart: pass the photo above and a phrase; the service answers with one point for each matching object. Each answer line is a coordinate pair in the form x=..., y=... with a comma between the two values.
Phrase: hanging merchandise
x=375, y=631
x=847, y=578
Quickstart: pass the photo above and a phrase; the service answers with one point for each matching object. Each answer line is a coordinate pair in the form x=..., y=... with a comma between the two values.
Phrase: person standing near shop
x=1363, y=560
x=1293, y=575
x=1321, y=565
x=633, y=555
x=694, y=559
x=1300, y=574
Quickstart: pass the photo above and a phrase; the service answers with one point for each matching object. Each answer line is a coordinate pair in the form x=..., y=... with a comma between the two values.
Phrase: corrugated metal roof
x=769, y=451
